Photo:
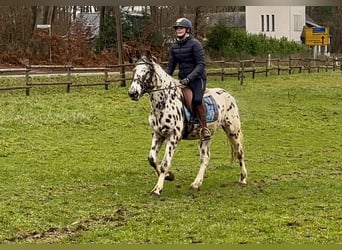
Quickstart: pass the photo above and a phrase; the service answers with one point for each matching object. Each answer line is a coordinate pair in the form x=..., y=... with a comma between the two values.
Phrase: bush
x=236, y=43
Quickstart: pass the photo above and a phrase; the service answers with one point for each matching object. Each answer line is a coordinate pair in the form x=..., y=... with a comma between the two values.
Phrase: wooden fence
x=66, y=74
x=241, y=69
x=222, y=69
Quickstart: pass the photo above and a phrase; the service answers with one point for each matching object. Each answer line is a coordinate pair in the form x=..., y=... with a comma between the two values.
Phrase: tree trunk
x=198, y=12
x=48, y=14
x=117, y=13
x=33, y=19
x=154, y=16
x=102, y=17
x=39, y=15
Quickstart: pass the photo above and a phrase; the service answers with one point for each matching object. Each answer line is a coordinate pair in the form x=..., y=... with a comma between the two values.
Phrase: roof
x=231, y=19
x=310, y=22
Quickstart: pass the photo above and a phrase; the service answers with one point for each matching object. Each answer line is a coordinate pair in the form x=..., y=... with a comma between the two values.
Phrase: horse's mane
x=164, y=77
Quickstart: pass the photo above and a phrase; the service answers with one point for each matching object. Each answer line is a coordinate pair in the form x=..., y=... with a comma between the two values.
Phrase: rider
x=188, y=53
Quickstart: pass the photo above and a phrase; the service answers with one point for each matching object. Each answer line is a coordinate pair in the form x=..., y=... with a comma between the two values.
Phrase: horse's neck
x=164, y=78
x=168, y=90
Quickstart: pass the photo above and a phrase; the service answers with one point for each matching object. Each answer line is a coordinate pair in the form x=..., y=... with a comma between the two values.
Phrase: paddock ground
x=73, y=168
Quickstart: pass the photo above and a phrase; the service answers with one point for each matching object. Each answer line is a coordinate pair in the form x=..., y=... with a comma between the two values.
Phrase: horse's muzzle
x=134, y=95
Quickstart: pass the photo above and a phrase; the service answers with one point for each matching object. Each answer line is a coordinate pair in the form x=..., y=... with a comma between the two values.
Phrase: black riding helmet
x=183, y=22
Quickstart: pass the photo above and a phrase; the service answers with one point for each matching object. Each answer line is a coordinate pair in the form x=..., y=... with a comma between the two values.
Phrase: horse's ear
x=154, y=59
x=149, y=55
x=137, y=54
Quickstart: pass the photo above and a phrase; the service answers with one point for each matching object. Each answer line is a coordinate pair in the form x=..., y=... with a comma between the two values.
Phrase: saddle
x=209, y=105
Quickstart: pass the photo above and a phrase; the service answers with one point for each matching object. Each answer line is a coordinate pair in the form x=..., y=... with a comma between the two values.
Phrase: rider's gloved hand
x=185, y=81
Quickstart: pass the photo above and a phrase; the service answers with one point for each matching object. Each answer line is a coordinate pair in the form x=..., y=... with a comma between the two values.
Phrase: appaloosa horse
x=170, y=122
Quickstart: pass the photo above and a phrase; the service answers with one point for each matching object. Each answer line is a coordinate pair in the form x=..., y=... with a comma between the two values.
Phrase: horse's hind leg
x=204, y=149
x=236, y=142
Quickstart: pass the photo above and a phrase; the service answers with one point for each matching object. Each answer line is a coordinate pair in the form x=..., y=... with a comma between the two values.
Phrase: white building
x=276, y=21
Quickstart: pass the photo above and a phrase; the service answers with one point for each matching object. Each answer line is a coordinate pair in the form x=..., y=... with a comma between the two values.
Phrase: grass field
x=73, y=168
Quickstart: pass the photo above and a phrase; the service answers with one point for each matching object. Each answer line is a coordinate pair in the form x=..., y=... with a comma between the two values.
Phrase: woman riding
x=188, y=53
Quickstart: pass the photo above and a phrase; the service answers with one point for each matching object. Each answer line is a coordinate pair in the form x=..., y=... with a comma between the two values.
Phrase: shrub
x=236, y=43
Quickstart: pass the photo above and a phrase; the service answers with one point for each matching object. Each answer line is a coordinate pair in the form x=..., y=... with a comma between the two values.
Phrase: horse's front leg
x=204, y=149
x=157, y=142
x=163, y=170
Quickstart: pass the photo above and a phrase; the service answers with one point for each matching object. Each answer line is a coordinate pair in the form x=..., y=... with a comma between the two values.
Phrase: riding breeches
x=197, y=87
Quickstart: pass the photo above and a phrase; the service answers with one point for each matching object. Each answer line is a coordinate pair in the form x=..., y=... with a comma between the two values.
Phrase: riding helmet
x=183, y=22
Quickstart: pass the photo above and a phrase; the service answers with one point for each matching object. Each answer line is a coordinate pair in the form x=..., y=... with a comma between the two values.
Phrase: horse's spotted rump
x=167, y=120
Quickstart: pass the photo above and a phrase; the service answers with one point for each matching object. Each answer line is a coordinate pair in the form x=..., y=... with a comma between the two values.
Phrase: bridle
x=145, y=89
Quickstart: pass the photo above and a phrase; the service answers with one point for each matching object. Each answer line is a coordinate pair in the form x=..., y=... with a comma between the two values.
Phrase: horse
x=170, y=124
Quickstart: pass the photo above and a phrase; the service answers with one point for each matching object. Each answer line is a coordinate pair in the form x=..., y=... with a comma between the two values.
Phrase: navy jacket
x=189, y=55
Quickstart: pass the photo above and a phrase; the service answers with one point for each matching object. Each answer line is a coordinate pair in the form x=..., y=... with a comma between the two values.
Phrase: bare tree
x=330, y=16
x=336, y=41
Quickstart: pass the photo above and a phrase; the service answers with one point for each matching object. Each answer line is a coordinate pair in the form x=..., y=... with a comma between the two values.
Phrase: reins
x=144, y=61
x=172, y=87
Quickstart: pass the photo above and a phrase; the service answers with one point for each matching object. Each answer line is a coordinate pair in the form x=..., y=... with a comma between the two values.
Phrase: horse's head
x=143, y=78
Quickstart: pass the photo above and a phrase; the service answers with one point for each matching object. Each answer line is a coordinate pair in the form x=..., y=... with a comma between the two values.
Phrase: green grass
x=73, y=168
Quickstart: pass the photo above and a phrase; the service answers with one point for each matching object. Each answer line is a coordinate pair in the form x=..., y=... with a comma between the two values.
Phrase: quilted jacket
x=188, y=53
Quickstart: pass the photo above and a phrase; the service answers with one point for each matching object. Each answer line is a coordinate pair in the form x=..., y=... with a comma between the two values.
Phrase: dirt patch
x=55, y=234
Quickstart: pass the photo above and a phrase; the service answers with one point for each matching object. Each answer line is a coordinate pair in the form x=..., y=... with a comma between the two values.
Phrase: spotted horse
x=170, y=124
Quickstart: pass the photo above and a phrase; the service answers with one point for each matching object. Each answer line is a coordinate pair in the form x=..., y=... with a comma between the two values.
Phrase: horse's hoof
x=243, y=183
x=154, y=194
x=169, y=177
x=194, y=187
x=243, y=180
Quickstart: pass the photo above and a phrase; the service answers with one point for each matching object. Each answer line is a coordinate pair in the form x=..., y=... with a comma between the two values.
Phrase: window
x=298, y=23
x=273, y=23
x=270, y=24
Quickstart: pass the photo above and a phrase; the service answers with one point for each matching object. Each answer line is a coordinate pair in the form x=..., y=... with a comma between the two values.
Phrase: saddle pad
x=212, y=111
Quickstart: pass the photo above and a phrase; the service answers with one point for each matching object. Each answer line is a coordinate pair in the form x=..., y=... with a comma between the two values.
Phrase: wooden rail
x=222, y=69
x=242, y=68
x=31, y=71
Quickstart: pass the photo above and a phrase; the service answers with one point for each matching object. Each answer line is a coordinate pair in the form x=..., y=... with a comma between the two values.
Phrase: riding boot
x=200, y=113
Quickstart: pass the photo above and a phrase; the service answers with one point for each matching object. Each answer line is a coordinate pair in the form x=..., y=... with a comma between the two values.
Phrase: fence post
x=69, y=66
x=106, y=78
x=326, y=64
x=318, y=65
x=253, y=69
x=242, y=72
x=309, y=70
x=27, y=78
x=289, y=66
x=122, y=76
x=334, y=63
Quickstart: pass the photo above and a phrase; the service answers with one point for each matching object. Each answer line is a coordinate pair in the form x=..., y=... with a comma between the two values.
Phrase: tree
x=330, y=16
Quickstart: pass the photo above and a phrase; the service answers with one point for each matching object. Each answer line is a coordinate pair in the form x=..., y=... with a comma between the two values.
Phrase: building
x=276, y=21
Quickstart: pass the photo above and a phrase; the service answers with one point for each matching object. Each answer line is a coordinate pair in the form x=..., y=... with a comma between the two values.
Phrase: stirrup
x=205, y=134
